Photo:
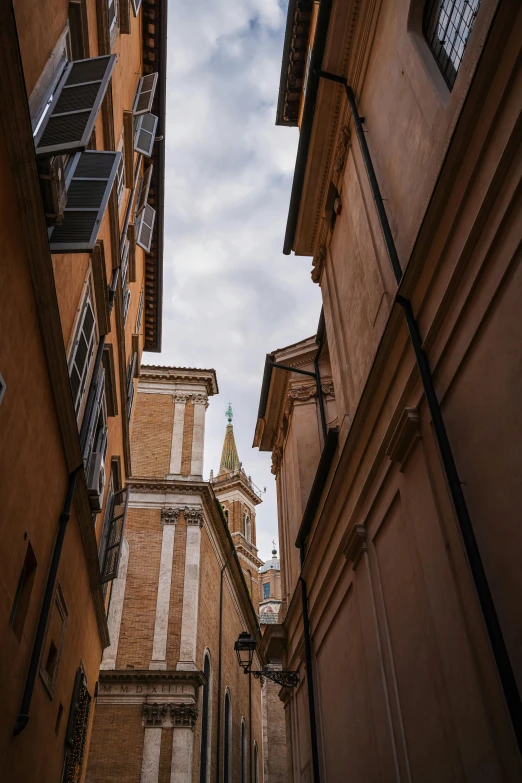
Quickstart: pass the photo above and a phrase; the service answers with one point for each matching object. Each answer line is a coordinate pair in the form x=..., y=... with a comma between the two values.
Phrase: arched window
x=204, y=765
x=243, y=752
x=246, y=521
x=447, y=25
x=227, y=734
x=256, y=764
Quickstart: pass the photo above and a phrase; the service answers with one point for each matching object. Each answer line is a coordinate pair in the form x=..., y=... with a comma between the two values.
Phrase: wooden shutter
x=145, y=94
x=74, y=108
x=77, y=726
x=145, y=134
x=82, y=352
x=136, y=5
x=130, y=384
x=111, y=559
x=144, y=188
x=145, y=225
x=89, y=185
x=93, y=415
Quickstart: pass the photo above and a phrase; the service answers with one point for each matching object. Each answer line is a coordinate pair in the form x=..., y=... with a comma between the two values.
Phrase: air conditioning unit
x=96, y=480
x=52, y=185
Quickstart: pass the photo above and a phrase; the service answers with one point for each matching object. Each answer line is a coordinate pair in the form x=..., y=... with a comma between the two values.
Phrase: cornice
x=195, y=678
x=188, y=375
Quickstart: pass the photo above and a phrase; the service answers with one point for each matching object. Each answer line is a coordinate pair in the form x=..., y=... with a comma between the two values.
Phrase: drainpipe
x=218, y=744
x=250, y=725
x=489, y=613
x=23, y=716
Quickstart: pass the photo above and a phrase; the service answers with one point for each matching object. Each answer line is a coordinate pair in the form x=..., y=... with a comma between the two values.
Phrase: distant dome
x=272, y=563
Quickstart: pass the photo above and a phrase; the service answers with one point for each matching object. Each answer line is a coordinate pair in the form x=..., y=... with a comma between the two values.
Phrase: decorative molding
x=406, y=434
x=166, y=487
x=355, y=544
x=155, y=714
x=193, y=516
x=302, y=393
x=342, y=149
x=318, y=264
x=328, y=389
x=169, y=516
x=200, y=399
x=184, y=715
x=180, y=398
x=277, y=457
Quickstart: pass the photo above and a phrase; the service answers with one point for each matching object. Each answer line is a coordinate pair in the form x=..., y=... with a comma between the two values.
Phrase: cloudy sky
x=230, y=295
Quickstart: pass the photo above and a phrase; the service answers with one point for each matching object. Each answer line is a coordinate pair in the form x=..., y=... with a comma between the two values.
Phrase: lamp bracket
x=284, y=678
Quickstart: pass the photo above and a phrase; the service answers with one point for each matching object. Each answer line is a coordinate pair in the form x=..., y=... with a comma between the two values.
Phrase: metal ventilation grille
x=447, y=25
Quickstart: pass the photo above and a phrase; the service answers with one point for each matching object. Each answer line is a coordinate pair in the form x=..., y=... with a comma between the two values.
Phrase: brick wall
x=144, y=533
x=152, y=435
x=274, y=733
x=176, y=593
x=116, y=745
x=188, y=429
x=165, y=756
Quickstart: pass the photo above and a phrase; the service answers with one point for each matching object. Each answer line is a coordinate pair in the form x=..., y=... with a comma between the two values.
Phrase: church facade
x=173, y=705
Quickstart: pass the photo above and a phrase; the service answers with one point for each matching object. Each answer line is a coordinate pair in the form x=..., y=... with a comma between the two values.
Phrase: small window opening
x=447, y=25
x=23, y=593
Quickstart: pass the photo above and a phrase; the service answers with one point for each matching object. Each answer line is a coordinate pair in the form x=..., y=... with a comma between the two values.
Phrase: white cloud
x=230, y=296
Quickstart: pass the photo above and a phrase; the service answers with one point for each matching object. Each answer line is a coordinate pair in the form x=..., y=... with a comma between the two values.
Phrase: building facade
x=173, y=704
x=82, y=113
x=396, y=458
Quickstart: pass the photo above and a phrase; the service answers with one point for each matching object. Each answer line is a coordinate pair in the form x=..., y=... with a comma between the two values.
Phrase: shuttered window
x=145, y=225
x=112, y=14
x=145, y=134
x=140, y=312
x=77, y=730
x=131, y=371
x=136, y=5
x=70, y=120
x=89, y=185
x=82, y=352
x=114, y=538
x=145, y=94
x=144, y=188
x=125, y=279
x=120, y=179
x=94, y=414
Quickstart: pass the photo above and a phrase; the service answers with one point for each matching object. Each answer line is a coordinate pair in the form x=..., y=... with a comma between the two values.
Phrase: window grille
x=77, y=730
x=82, y=352
x=115, y=532
x=447, y=25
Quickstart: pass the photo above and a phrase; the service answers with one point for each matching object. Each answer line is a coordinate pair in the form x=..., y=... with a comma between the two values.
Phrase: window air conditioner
x=96, y=480
x=52, y=184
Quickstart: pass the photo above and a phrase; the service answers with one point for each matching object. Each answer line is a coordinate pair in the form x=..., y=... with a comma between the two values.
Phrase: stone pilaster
x=189, y=620
x=169, y=517
x=177, y=434
x=184, y=718
x=116, y=609
x=198, y=435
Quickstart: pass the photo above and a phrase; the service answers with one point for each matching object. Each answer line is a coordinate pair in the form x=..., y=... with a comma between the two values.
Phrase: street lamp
x=245, y=648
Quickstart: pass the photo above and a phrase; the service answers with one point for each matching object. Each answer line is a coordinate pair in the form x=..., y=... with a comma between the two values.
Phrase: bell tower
x=239, y=497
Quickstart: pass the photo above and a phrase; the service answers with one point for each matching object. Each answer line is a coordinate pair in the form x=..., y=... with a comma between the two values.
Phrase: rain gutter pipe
x=491, y=621
x=23, y=716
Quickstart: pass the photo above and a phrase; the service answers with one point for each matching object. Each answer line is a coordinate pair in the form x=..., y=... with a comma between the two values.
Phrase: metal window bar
x=447, y=25
x=77, y=730
x=111, y=560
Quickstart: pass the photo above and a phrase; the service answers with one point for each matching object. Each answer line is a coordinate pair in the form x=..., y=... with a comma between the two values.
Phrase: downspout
x=489, y=613
x=218, y=743
x=23, y=716
x=112, y=294
x=250, y=725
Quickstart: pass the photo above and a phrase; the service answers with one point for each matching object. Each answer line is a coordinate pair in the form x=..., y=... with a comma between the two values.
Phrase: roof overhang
x=293, y=66
x=182, y=375
x=154, y=22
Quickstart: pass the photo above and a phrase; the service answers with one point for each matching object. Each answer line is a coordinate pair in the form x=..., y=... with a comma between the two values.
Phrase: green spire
x=229, y=457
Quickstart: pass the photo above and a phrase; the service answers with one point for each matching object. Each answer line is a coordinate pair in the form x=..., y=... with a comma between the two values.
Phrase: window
x=77, y=726
x=120, y=177
x=96, y=446
x=124, y=270
x=145, y=133
x=140, y=312
x=145, y=94
x=131, y=371
x=447, y=25
x=53, y=643
x=113, y=532
x=23, y=593
x=227, y=749
x=266, y=590
x=247, y=529
x=144, y=227
x=144, y=188
x=113, y=15
x=204, y=766
x=71, y=110
x=136, y=5
x=82, y=352
x=307, y=70
x=243, y=752
x=89, y=181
